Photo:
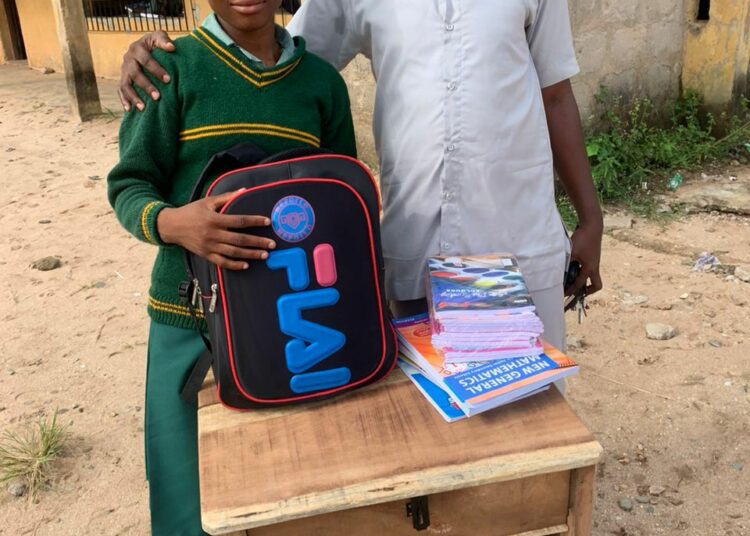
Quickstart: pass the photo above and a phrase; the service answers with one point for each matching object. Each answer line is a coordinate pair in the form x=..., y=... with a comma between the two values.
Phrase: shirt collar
x=283, y=38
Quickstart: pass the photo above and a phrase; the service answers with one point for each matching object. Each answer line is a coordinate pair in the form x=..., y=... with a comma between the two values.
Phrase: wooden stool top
x=379, y=444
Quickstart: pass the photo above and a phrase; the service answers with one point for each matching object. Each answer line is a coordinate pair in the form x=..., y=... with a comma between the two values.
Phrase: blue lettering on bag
x=311, y=343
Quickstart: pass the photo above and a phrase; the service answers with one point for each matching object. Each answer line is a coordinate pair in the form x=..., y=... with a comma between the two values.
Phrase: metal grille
x=139, y=15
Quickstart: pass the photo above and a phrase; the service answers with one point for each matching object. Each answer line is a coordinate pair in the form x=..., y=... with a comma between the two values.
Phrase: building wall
x=39, y=34
x=43, y=49
x=717, y=51
x=633, y=47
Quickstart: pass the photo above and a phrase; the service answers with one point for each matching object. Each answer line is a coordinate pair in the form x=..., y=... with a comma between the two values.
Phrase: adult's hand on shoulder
x=136, y=59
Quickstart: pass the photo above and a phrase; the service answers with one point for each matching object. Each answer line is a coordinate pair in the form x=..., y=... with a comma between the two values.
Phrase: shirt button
x=447, y=196
x=452, y=86
x=451, y=148
x=446, y=246
x=449, y=27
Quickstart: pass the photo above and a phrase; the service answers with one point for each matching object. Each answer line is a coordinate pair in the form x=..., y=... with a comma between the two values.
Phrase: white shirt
x=459, y=124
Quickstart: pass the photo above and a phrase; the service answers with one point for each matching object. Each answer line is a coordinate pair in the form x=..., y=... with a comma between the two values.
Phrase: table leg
x=581, y=501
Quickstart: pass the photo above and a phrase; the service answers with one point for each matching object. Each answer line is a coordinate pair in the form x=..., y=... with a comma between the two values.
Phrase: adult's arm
x=573, y=170
x=138, y=59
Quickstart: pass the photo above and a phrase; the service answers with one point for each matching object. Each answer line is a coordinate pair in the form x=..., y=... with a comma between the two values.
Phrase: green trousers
x=171, y=433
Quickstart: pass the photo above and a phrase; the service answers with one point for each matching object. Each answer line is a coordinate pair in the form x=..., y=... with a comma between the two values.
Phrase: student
x=474, y=110
x=237, y=78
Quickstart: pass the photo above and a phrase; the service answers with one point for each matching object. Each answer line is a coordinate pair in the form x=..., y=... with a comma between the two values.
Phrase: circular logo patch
x=293, y=218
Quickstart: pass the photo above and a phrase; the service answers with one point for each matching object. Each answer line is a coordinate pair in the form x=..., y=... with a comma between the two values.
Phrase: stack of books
x=460, y=390
x=481, y=309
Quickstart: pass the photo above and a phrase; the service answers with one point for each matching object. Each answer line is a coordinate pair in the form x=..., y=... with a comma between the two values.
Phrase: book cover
x=440, y=400
x=477, y=283
x=477, y=386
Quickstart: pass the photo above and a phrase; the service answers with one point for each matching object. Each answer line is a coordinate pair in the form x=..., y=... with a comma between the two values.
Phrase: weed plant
x=28, y=455
x=634, y=154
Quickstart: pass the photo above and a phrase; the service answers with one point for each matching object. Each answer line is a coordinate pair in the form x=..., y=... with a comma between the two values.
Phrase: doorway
x=17, y=49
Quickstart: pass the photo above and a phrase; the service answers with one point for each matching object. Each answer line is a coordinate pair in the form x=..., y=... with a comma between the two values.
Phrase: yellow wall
x=39, y=33
x=717, y=51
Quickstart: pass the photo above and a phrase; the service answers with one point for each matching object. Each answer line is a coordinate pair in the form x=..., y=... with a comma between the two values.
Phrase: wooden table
x=350, y=466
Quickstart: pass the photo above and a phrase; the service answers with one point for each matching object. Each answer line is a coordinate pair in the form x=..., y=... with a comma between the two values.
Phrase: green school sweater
x=217, y=98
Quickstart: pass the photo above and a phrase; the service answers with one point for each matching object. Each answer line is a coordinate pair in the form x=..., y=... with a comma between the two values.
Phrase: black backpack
x=312, y=320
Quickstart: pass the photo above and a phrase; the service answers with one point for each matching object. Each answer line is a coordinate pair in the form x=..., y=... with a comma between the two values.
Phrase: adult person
x=474, y=112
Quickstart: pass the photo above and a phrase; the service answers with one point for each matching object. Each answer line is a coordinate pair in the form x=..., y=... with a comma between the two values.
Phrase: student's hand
x=199, y=228
x=136, y=59
x=587, y=250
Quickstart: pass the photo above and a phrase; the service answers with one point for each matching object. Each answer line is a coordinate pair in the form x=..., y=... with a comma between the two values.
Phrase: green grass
x=28, y=455
x=635, y=152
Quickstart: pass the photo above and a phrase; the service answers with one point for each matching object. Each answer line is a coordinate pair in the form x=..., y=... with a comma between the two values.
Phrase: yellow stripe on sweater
x=144, y=220
x=167, y=307
x=242, y=74
x=221, y=50
x=232, y=132
x=255, y=126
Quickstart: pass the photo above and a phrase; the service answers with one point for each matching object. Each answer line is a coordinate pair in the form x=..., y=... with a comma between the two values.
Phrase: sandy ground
x=670, y=414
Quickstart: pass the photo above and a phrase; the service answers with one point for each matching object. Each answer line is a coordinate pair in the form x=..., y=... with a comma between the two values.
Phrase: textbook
x=481, y=309
x=478, y=386
x=439, y=399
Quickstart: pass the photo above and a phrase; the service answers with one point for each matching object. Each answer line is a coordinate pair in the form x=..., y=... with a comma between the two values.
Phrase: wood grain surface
x=376, y=445
x=498, y=509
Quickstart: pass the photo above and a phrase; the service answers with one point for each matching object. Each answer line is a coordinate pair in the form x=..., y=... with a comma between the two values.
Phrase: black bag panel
x=312, y=166
x=359, y=314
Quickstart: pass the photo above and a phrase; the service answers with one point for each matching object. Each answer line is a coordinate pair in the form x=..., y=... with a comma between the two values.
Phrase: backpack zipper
x=212, y=303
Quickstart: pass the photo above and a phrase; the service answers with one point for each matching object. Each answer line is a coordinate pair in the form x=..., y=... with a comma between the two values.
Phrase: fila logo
x=311, y=343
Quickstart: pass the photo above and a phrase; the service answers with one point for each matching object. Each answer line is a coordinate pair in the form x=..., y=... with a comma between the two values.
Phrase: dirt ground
x=672, y=415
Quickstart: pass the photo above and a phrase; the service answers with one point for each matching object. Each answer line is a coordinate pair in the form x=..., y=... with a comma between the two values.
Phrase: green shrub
x=634, y=154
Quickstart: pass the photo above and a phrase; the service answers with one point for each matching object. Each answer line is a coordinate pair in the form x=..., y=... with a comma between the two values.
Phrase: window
x=138, y=15
x=704, y=9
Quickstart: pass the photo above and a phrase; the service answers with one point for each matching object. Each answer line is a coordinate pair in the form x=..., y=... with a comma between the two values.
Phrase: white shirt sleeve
x=551, y=42
x=328, y=31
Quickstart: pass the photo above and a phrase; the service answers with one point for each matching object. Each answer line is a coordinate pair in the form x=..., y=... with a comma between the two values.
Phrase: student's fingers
x=234, y=252
x=216, y=202
x=240, y=221
x=229, y=264
x=242, y=240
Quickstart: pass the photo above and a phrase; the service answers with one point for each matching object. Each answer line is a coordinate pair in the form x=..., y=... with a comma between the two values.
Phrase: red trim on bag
x=219, y=271
x=303, y=159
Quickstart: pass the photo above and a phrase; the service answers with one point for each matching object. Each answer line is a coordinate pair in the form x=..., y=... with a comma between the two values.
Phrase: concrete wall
x=634, y=47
